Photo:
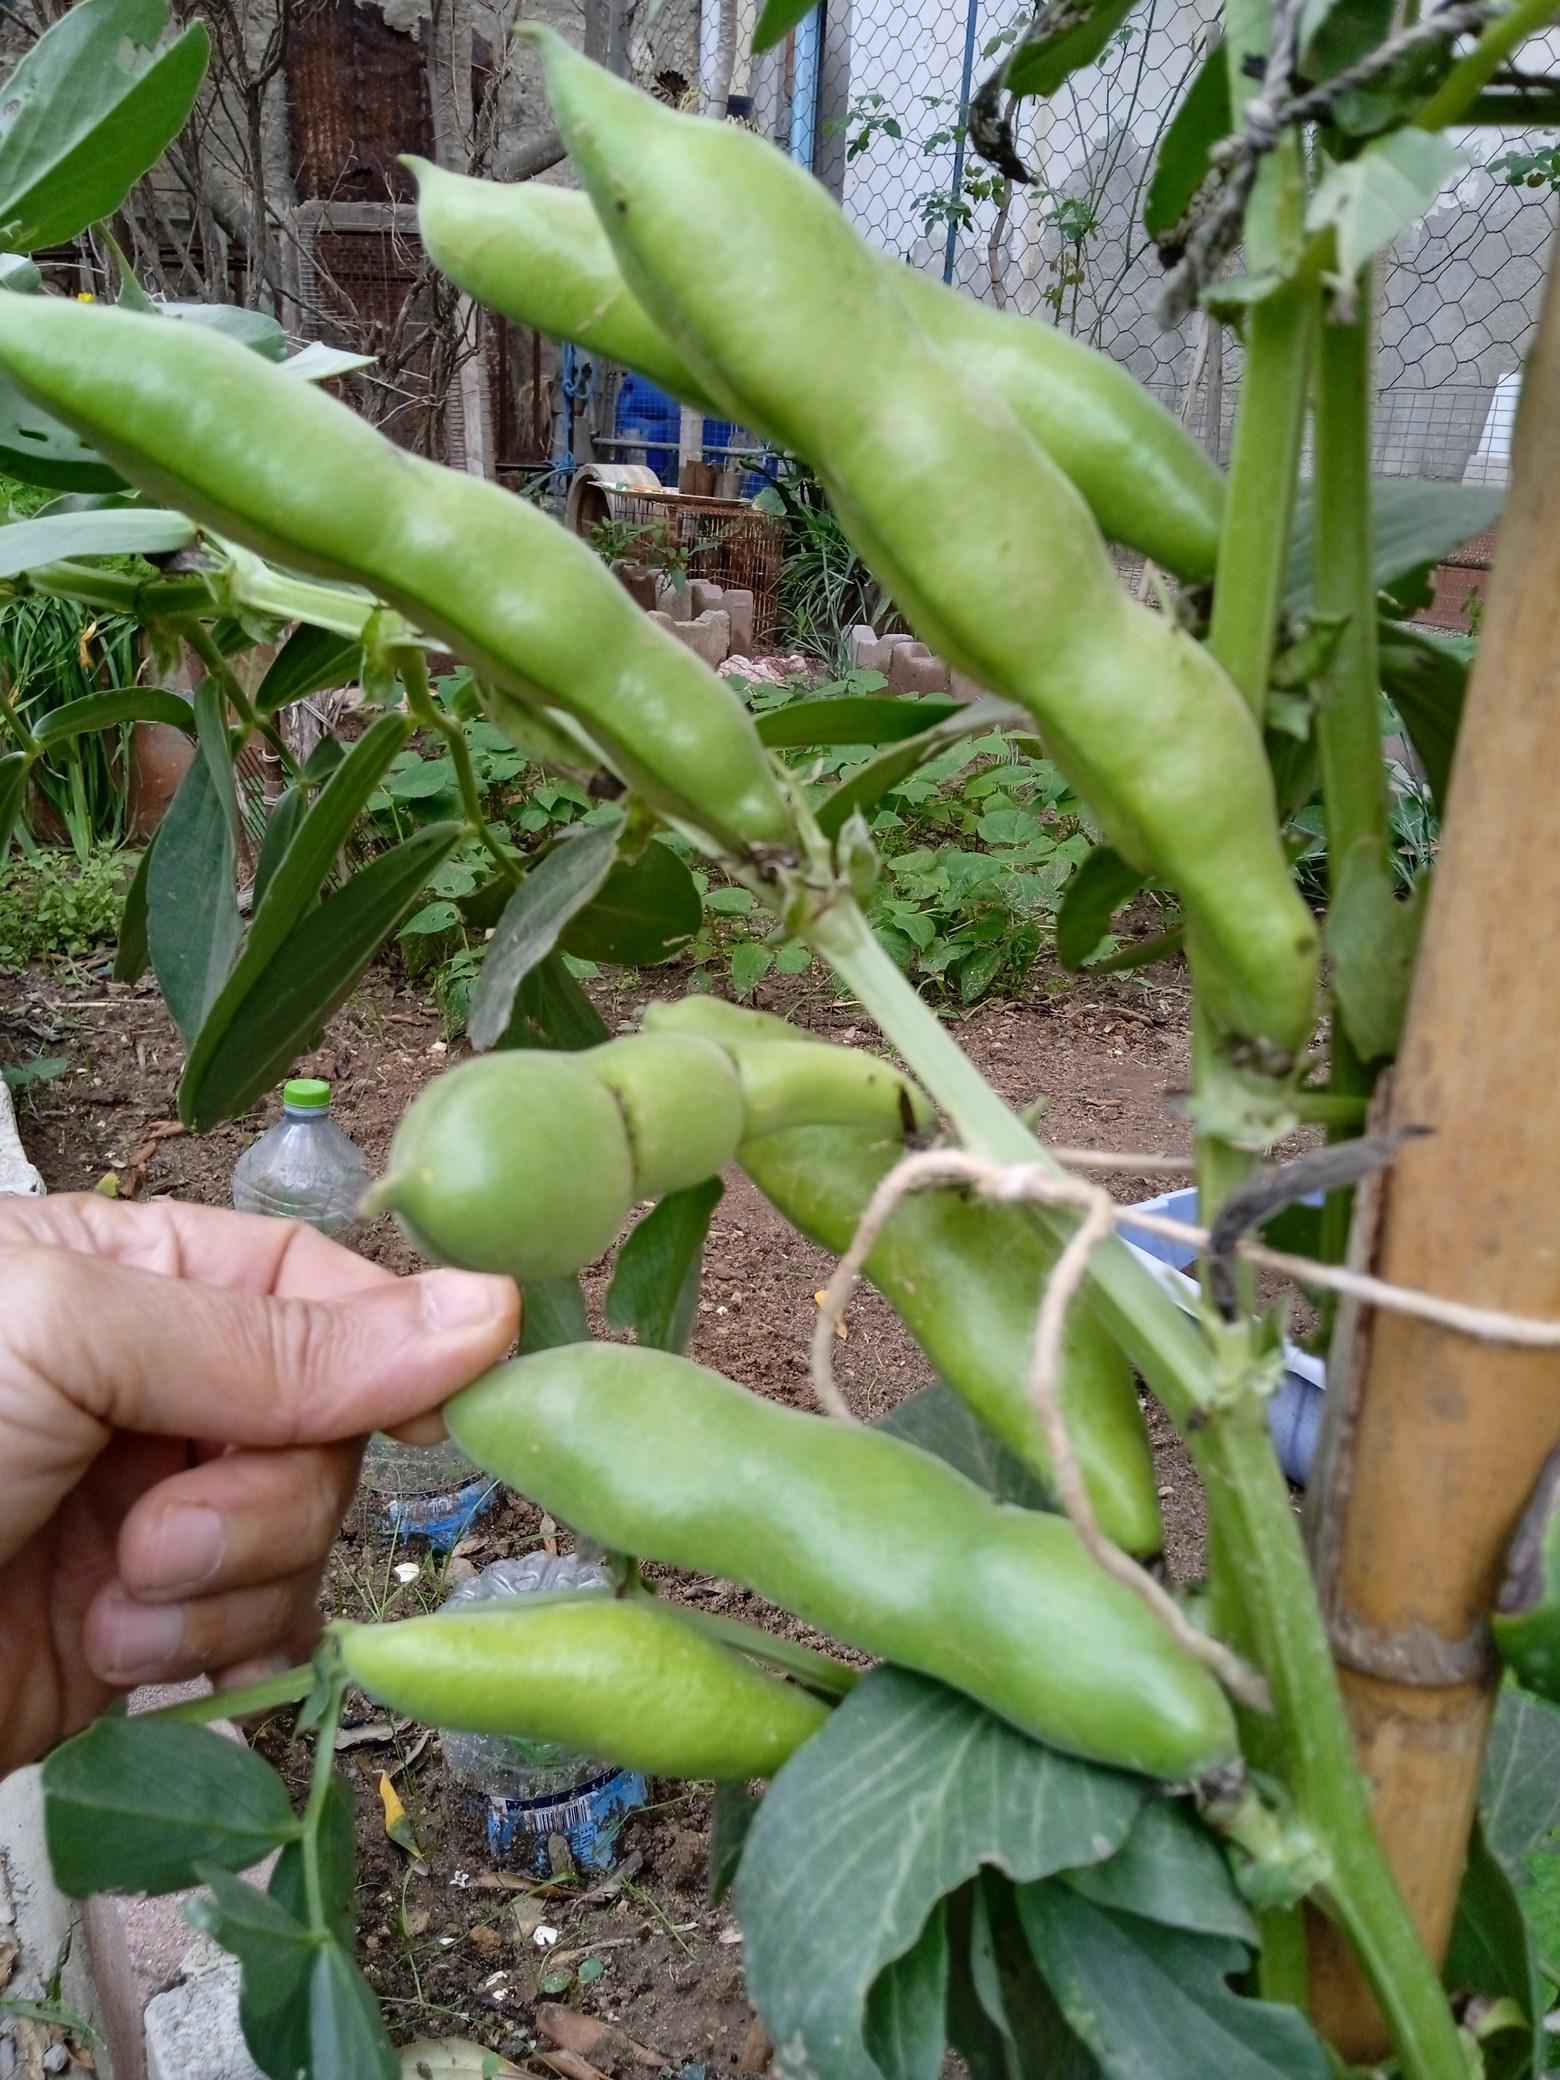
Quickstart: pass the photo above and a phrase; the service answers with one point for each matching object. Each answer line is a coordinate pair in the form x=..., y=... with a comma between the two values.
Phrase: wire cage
x=727, y=542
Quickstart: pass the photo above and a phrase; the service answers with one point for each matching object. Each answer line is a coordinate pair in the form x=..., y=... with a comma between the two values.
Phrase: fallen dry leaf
x=590, y=2038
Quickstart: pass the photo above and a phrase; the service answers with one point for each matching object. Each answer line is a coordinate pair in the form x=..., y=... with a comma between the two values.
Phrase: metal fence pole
x=804, y=89
x=956, y=186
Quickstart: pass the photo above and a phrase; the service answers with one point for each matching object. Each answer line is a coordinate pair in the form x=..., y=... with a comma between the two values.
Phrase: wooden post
x=1437, y=1441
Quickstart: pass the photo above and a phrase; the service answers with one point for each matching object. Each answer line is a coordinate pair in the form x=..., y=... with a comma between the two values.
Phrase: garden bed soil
x=448, y=1941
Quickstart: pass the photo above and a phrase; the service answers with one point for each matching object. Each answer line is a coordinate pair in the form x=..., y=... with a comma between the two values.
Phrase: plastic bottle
x=535, y=1790
x=305, y=1169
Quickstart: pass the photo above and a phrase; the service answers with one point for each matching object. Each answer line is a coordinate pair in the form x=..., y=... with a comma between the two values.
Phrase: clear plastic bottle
x=537, y=1789
x=305, y=1169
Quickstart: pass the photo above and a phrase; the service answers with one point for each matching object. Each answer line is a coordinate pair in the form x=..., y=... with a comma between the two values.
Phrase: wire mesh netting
x=1458, y=295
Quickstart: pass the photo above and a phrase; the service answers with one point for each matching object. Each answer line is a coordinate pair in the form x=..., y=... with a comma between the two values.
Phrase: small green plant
x=53, y=651
x=825, y=588
x=52, y=903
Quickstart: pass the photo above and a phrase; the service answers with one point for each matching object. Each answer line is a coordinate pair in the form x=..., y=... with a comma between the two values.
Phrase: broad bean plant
x=1070, y=1821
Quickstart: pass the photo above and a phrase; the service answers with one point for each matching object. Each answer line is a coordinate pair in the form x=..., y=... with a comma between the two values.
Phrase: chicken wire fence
x=870, y=94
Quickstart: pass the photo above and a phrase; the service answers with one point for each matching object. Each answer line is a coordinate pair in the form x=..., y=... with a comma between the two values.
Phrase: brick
x=913, y=669
x=737, y=602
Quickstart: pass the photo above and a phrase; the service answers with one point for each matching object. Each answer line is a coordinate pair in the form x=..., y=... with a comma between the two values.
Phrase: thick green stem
x=1254, y=547
x=1261, y=1539
x=1500, y=38
x=290, y=1687
x=1354, y=782
x=25, y=739
x=314, y=1811
x=413, y=667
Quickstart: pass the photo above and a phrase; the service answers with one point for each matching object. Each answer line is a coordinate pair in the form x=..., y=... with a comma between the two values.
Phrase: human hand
x=184, y=1395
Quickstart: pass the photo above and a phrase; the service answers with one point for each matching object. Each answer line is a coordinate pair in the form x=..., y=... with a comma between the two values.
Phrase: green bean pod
x=966, y=1279
x=223, y=435
x=528, y=1163
x=861, y=1534
x=538, y=255
x=728, y=1025
x=785, y=315
x=619, y=1678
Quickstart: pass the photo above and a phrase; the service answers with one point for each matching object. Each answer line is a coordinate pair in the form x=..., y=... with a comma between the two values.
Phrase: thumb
x=89, y=1346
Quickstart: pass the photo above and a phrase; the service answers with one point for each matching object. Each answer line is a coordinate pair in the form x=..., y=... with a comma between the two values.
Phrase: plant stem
x=290, y=1687
x=1498, y=39
x=1348, y=726
x=25, y=739
x=1254, y=547
x=1261, y=1540
x=216, y=664
x=413, y=667
x=319, y=1788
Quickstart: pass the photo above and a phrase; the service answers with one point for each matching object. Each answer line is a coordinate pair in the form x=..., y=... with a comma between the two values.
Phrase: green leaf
x=860, y=720
x=906, y=2020
x=870, y=782
x=924, y=1788
x=347, y=2037
x=554, y=1314
x=750, y=963
x=292, y=889
x=89, y=110
x=1036, y=2042
x=1047, y=58
x=655, y=1285
x=37, y=448
x=133, y=1805
x=1199, y=123
x=551, y=1010
x=1335, y=34
x=257, y=330
x=53, y=537
x=108, y=710
x=731, y=1817
x=309, y=979
x=310, y=659
x=1413, y=522
x=1171, y=1871
x=132, y=954
x=1425, y=677
x=193, y=928
x=1493, y=1953
x=1372, y=198
x=43, y=1068
x=276, y=1954
x=422, y=780
x=336, y=1856
x=939, y=1422
x=645, y=911
x=281, y=827
x=14, y=769
x=1519, y=1798
x=1102, y=884
x=777, y=20
x=1153, y=2000
x=552, y=892
x=1372, y=939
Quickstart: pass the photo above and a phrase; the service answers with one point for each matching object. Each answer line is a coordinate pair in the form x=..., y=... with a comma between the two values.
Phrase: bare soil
x=449, y=1942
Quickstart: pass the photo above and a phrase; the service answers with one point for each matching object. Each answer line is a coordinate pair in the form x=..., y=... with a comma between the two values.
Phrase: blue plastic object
x=1295, y=1412
x=442, y=1519
x=589, y=1818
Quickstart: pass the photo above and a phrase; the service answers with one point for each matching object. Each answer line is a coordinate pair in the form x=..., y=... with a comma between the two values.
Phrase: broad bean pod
x=863, y=1535
x=223, y=435
x=966, y=1279
x=528, y=1163
x=622, y=1678
x=538, y=255
x=785, y=316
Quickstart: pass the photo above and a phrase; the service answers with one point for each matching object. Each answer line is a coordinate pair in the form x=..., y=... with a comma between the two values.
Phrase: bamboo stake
x=1435, y=1443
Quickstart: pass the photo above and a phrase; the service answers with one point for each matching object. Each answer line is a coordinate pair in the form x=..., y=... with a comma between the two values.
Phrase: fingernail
x=142, y=1639
x=186, y=1550
x=462, y=1299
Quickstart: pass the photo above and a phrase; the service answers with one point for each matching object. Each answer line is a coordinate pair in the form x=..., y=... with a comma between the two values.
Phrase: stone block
x=702, y=596
x=913, y=669
x=673, y=599
x=192, y=2031
x=708, y=637
x=639, y=582
x=870, y=652
x=963, y=688
x=737, y=602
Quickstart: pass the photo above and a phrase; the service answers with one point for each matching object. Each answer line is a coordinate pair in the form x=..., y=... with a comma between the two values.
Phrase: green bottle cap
x=306, y=1093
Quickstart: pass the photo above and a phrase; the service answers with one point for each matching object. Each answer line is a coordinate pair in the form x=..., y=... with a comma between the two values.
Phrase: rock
x=192, y=2031
x=738, y=603
x=703, y=596
x=709, y=637
x=964, y=688
x=639, y=582
x=913, y=669
x=18, y=1178
x=673, y=599
x=870, y=652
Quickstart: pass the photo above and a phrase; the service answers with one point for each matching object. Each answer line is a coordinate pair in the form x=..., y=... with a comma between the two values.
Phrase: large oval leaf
x=108, y=710
x=551, y=894
x=112, y=531
x=37, y=448
x=866, y=719
x=193, y=927
x=646, y=910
